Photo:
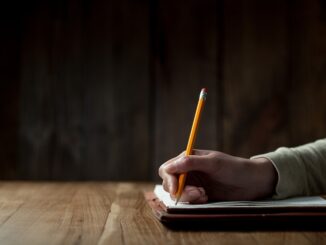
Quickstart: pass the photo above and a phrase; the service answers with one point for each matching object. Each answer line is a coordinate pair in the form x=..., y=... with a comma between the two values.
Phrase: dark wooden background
x=106, y=90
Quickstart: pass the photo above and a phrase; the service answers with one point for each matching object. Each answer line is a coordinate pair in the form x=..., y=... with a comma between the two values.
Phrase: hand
x=213, y=175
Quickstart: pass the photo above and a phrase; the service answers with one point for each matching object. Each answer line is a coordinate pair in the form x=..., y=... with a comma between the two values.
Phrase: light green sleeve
x=301, y=170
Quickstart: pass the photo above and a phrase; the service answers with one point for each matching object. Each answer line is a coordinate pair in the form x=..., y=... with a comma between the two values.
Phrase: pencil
x=191, y=141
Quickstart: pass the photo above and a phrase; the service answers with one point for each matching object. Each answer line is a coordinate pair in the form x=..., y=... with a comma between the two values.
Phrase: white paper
x=311, y=201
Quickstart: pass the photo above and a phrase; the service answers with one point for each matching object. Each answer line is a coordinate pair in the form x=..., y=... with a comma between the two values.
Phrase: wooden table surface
x=107, y=213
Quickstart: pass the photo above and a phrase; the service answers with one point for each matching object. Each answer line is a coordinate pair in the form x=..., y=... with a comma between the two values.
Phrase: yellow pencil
x=191, y=141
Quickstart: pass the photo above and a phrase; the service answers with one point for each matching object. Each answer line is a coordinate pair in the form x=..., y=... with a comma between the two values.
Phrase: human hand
x=213, y=175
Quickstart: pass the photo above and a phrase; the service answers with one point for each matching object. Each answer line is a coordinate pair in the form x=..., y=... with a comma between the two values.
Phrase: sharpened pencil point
x=177, y=200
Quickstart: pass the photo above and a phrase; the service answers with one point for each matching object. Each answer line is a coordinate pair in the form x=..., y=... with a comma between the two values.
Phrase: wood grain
x=106, y=213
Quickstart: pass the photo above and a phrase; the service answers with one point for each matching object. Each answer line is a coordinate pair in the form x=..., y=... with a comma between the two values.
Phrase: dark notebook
x=292, y=213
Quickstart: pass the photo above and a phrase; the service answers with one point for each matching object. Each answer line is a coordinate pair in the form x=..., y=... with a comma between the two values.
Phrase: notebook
x=303, y=212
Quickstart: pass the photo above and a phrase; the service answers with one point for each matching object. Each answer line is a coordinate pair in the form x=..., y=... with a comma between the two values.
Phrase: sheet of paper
x=313, y=201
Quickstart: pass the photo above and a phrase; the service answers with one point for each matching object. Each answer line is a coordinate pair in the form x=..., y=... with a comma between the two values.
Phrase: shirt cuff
x=291, y=181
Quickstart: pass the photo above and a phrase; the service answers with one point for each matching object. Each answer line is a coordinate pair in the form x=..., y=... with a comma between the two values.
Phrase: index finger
x=169, y=180
x=161, y=169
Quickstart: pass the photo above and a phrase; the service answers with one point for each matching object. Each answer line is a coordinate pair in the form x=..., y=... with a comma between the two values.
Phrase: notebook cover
x=239, y=218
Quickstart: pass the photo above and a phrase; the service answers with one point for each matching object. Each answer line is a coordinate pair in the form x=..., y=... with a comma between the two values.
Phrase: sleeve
x=301, y=170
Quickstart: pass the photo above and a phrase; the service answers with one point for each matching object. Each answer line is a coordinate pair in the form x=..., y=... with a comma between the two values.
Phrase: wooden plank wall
x=9, y=91
x=85, y=106
x=256, y=75
x=106, y=90
x=186, y=62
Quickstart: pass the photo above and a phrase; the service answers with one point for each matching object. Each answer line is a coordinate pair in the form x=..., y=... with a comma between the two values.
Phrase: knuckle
x=187, y=161
x=217, y=155
x=163, y=169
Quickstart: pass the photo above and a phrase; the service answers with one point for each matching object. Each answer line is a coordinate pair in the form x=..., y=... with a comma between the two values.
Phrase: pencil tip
x=176, y=201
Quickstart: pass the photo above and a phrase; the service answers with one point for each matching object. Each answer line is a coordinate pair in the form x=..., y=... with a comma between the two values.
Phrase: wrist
x=266, y=177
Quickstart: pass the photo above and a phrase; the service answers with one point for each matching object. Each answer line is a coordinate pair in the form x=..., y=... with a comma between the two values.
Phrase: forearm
x=301, y=170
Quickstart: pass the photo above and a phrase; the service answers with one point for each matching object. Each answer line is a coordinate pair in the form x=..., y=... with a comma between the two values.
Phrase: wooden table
x=106, y=213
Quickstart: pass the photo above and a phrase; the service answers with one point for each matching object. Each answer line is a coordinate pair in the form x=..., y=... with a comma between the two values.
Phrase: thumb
x=189, y=163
